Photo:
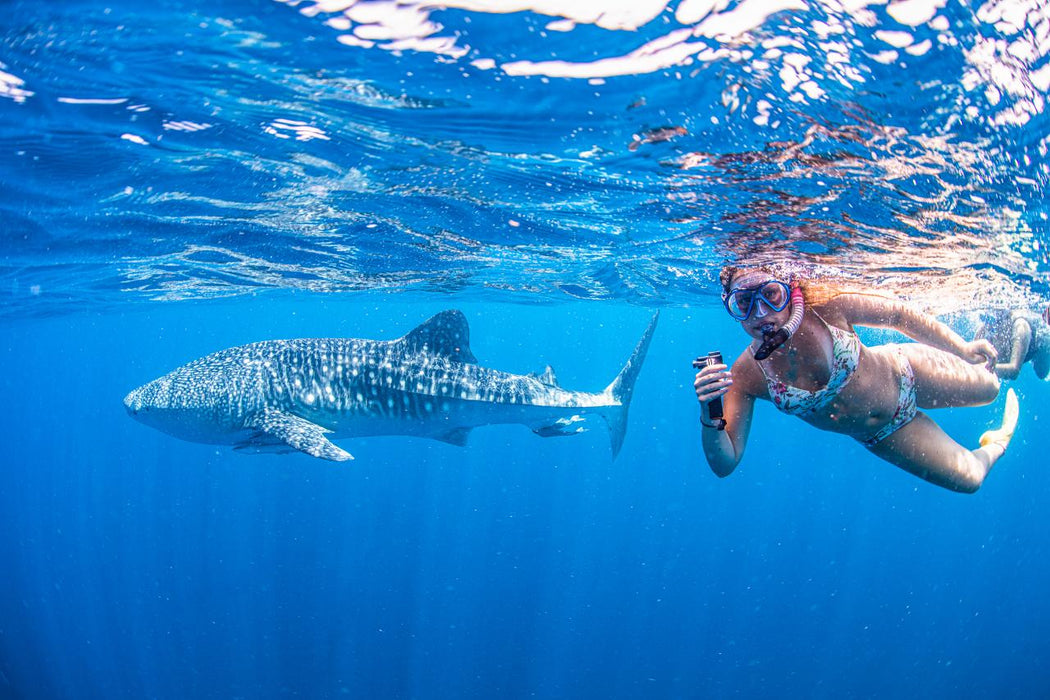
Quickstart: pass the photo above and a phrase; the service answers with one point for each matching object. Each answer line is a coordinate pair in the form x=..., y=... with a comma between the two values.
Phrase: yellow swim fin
x=1003, y=434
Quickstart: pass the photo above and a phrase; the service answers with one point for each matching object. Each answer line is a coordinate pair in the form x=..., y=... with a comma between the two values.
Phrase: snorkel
x=773, y=339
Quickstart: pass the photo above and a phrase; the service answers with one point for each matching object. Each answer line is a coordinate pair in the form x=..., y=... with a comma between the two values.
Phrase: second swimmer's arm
x=1022, y=337
x=879, y=312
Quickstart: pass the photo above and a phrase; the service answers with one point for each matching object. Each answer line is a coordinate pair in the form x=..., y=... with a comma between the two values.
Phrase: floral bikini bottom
x=906, y=405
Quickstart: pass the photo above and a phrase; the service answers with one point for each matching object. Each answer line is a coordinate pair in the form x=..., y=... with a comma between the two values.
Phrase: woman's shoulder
x=1041, y=332
x=834, y=313
x=854, y=308
x=1030, y=317
x=748, y=376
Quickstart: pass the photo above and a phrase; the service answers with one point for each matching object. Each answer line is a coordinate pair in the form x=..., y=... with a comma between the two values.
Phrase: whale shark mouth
x=132, y=402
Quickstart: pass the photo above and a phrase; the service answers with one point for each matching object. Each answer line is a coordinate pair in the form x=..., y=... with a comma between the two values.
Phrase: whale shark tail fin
x=621, y=389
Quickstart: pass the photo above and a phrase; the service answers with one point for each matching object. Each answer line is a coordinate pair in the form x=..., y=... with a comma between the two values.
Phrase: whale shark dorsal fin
x=275, y=426
x=546, y=376
x=446, y=334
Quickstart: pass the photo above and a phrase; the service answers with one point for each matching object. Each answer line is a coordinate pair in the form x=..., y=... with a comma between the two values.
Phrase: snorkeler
x=1019, y=337
x=806, y=358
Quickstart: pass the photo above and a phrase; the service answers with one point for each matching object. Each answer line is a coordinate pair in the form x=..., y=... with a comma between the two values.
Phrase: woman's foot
x=1011, y=413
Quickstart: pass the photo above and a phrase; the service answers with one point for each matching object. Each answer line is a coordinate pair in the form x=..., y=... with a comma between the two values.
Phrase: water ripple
x=527, y=150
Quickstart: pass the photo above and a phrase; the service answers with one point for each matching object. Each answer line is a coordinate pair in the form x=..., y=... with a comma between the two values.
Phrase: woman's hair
x=815, y=292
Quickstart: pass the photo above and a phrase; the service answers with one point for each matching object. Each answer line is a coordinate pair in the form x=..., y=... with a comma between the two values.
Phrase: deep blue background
x=134, y=565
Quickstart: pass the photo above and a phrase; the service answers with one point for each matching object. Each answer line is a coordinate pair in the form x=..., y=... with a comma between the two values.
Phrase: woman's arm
x=725, y=448
x=1022, y=337
x=880, y=312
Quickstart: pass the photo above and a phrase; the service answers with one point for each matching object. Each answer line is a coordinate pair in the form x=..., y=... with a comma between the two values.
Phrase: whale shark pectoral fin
x=563, y=426
x=281, y=428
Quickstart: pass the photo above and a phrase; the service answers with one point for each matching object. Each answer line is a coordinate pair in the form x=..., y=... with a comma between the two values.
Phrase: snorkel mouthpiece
x=771, y=340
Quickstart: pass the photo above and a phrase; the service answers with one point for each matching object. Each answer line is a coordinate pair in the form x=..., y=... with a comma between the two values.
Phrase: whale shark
x=299, y=395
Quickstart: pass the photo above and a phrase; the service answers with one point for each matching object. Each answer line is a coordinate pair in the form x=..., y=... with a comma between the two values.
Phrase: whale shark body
x=285, y=395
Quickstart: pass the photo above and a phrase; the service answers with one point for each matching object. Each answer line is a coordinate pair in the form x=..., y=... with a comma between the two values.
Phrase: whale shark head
x=150, y=403
x=166, y=405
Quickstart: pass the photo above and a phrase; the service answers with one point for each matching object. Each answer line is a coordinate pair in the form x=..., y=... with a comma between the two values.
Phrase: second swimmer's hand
x=712, y=382
x=980, y=352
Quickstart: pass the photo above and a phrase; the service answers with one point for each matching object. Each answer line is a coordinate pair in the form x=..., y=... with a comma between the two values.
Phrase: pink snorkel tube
x=774, y=339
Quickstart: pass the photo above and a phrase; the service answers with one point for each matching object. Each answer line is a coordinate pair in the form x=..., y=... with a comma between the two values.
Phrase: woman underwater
x=823, y=374
x=1020, y=337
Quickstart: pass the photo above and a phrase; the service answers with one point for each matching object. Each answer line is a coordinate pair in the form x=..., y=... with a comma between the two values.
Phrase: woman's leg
x=943, y=380
x=923, y=449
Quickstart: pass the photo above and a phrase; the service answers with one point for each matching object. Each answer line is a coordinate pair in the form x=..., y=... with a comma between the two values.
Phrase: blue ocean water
x=179, y=178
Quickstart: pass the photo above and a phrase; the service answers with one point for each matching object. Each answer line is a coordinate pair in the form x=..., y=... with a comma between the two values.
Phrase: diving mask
x=740, y=302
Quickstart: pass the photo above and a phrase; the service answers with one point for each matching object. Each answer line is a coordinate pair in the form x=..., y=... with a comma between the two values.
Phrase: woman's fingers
x=711, y=395
x=991, y=353
x=711, y=374
x=712, y=382
x=983, y=352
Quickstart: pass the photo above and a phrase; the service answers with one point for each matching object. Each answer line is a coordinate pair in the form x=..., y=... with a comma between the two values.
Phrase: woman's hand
x=980, y=352
x=712, y=382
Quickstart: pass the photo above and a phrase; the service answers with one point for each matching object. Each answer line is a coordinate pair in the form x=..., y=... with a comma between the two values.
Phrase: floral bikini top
x=845, y=356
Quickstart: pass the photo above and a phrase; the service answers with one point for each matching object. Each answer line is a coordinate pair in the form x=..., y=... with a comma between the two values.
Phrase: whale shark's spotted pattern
x=278, y=395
